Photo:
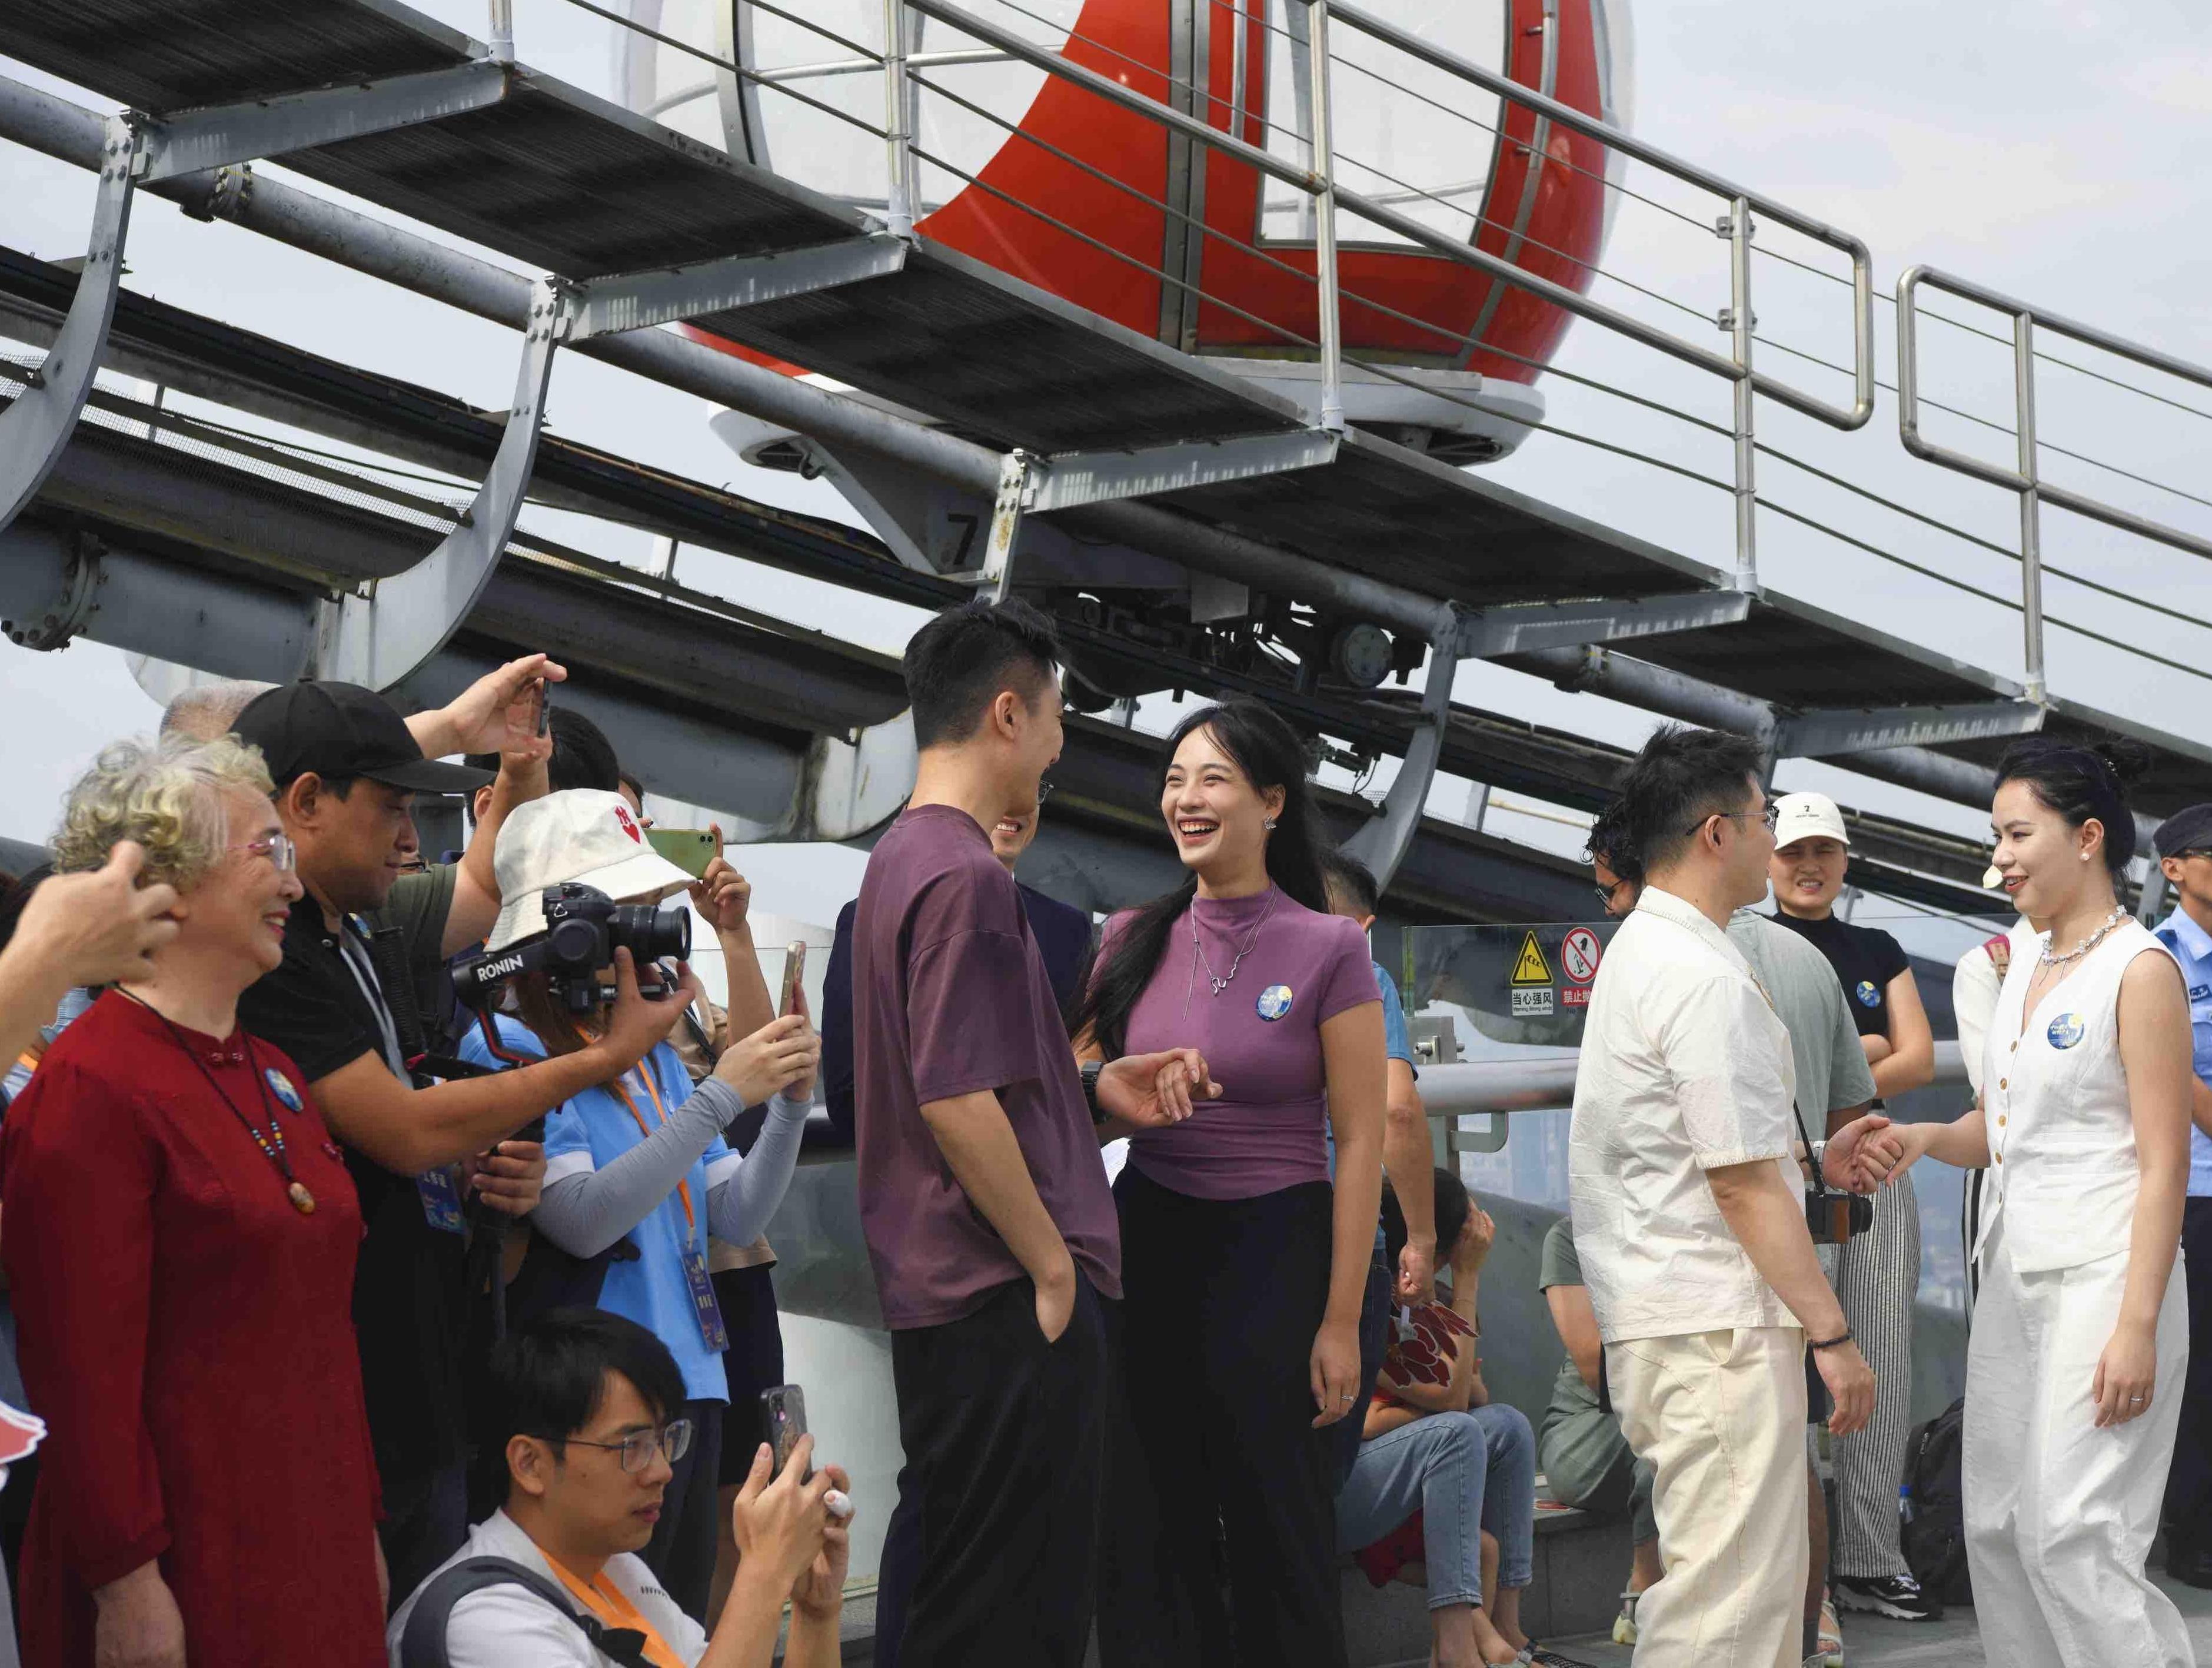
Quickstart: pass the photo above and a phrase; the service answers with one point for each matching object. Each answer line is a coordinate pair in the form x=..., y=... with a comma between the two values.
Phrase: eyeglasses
x=638, y=1448
x=1769, y=815
x=1605, y=894
x=277, y=848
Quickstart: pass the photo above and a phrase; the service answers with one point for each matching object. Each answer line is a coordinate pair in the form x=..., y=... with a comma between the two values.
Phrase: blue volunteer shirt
x=1396, y=1045
x=2192, y=946
x=595, y=1129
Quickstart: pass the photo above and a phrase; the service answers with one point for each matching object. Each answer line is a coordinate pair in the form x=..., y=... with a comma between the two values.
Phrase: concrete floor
x=1874, y=1642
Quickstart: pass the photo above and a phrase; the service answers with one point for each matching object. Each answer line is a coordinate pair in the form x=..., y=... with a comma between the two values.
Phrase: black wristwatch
x=1090, y=1071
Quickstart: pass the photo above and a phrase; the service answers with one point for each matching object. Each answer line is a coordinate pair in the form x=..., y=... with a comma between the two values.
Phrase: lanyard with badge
x=438, y=1189
x=709, y=1311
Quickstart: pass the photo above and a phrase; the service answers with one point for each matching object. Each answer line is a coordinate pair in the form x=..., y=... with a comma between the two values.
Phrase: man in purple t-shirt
x=986, y=1209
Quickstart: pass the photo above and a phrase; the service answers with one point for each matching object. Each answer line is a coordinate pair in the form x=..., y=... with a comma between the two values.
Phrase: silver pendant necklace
x=1220, y=982
x=2111, y=921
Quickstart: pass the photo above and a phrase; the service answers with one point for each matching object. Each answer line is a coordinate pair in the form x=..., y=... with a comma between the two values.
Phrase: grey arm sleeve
x=745, y=1194
x=585, y=1213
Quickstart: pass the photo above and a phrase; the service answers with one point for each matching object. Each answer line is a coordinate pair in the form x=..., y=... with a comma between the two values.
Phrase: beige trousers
x=1721, y=1418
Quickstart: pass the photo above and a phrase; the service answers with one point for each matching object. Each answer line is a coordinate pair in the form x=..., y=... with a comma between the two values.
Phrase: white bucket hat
x=581, y=834
x=1796, y=817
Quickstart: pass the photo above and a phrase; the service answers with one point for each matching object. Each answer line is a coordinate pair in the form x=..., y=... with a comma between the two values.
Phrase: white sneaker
x=1624, y=1625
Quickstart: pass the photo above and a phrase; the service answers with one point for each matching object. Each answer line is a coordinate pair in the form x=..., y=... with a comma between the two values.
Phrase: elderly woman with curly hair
x=180, y=1240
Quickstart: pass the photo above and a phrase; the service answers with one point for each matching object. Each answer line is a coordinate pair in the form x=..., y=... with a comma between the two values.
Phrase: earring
x=1267, y=824
x=2085, y=856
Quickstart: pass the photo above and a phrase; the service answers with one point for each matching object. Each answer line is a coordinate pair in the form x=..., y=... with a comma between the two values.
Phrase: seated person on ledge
x=1585, y=1458
x=585, y=1398
x=1434, y=1446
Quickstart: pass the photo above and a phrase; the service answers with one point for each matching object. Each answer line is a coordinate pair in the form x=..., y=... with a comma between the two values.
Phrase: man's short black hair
x=1681, y=777
x=549, y=1376
x=1350, y=880
x=958, y=663
x=582, y=755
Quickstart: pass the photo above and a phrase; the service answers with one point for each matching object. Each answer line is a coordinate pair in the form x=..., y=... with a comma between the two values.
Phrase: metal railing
x=2026, y=478
x=1318, y=179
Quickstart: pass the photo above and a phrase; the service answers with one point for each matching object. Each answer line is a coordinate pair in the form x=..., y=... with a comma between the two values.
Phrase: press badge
x=703, y=1301
x=441, y=1201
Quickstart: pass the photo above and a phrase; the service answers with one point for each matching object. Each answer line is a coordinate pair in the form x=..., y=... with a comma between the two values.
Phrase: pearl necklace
x=2111, y=921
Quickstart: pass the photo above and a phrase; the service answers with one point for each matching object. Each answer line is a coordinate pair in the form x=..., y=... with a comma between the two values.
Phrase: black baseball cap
x=2184, y=830
x=341, y=730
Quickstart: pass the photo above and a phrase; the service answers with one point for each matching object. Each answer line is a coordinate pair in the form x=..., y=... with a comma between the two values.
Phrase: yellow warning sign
x=1529, y=968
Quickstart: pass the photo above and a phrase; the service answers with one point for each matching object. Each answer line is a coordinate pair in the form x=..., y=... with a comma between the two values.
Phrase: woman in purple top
x=1243, y=1268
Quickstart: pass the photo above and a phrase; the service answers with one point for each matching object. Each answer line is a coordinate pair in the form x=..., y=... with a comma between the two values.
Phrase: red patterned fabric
x=1424, y=1349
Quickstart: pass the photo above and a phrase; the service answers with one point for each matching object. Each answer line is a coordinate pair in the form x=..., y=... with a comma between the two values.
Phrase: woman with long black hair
x=1243, y=1268
x=2081, y=1334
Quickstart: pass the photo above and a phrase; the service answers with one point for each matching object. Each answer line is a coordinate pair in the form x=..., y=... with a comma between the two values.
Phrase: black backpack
x=422, y=1643
x=1934, y=1533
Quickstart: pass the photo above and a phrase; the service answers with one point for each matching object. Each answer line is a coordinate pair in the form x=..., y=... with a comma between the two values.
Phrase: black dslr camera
x=584, y=928
x=1834, y=1215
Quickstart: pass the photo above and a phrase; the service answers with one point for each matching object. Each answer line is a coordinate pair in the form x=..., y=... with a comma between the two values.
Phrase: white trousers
x=2060, y=1515
x=1721, y=1418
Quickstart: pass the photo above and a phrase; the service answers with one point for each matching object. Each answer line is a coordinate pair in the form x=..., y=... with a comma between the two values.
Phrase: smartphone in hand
x=794, y=975
x=783, y=1411
x=690, y=849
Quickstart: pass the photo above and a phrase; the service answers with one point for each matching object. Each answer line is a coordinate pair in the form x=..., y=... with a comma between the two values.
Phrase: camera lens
x=653, y=934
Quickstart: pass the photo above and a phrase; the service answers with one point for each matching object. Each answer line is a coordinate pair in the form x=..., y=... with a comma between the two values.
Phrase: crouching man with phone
x=591, y=1407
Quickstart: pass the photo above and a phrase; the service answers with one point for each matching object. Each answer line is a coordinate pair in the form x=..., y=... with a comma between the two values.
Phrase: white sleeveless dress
x=2060, y=1515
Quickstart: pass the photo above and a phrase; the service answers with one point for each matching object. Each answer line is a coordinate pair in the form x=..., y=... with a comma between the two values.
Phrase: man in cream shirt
x=1689, y=1219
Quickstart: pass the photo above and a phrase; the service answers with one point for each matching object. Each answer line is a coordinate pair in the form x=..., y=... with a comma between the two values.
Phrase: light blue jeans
x=1465, y=1472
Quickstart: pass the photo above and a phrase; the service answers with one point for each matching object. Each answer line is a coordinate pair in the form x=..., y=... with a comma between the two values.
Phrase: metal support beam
x=1323, y=152
x=132, y=149
x=198, y=140
x=1382, y=845
x=1744, y=410
x=414, y=263
x=1016, y=473
x=635, y=301
x=1594, y=670
x=1068, y=480
x=36, y=428
x=1495, y=632
x=1845, y=730
x=381, y=635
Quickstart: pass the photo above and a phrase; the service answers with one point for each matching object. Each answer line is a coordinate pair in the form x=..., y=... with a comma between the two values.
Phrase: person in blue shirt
x=637, y=1174
x=2184, y=842
x=1407, y=1154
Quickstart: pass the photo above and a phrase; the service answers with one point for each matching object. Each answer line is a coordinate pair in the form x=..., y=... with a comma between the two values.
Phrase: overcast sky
x=2055, y=151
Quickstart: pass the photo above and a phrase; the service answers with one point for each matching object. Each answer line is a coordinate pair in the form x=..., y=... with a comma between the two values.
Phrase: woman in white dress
x=2081, y=1333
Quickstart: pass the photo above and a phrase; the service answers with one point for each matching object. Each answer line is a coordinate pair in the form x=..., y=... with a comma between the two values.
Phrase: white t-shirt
x=1686, y=1067
x=507, y=1627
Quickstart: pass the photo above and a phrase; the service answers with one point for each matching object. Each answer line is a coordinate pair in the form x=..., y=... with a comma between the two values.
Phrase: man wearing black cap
x=347, y=768
x=2185, y=852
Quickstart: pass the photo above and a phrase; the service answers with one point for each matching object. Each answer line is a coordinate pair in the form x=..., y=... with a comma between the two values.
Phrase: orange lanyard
x=605, y=1600
x=645, y=1076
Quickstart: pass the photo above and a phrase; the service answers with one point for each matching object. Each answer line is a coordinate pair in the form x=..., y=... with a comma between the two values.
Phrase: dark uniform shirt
x=408, y=1305
x=1865, y=958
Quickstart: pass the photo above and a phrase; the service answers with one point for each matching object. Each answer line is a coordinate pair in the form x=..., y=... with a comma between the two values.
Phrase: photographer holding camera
x=1691, y=1217
x=637, y=1174
x=347, y=767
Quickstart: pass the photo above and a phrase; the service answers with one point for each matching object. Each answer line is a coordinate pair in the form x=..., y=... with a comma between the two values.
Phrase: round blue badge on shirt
x=280, y=1087
x=1274, y=1002
x=1867, y=996
x=2066, y=1030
